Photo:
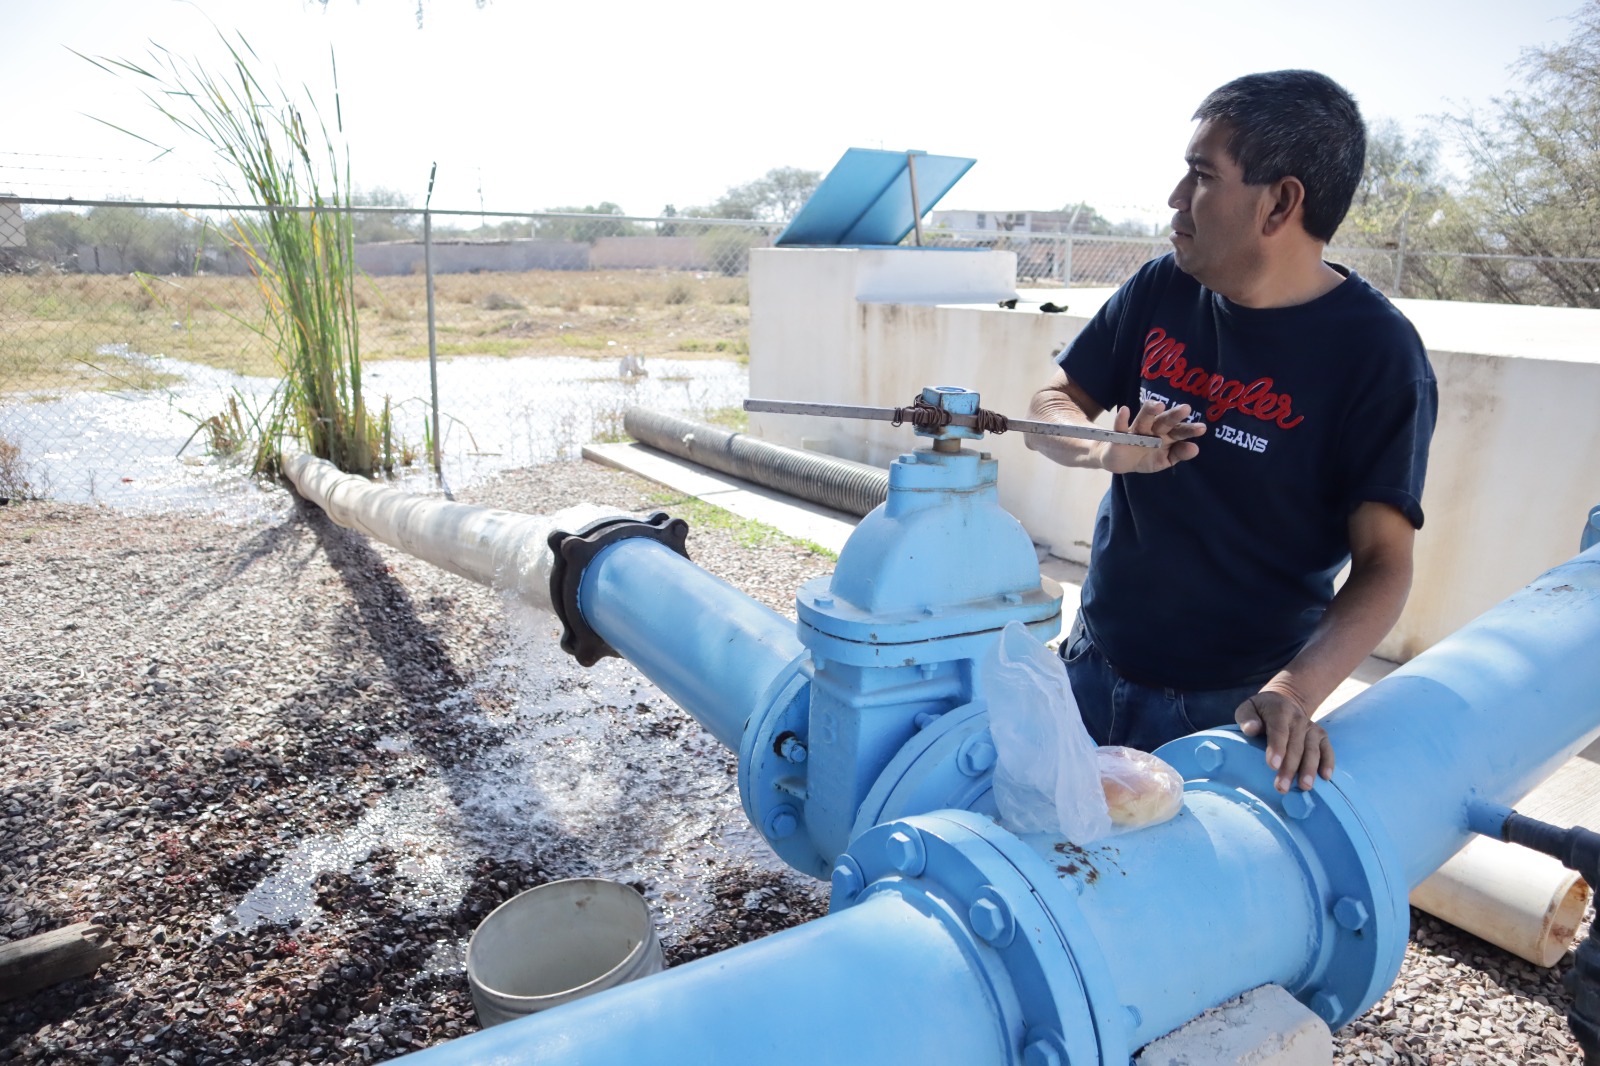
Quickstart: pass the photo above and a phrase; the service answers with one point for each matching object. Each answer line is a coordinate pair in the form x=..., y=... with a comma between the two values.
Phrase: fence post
x=433, y=348
x=1400, y=258
x=1066, y=263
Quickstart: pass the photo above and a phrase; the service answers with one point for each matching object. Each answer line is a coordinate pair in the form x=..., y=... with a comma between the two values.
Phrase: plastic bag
x=1046, y=777
x=1139, y=788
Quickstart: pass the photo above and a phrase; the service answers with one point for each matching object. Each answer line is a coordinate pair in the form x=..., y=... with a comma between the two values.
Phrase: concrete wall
x=1511, y=478
x=465, y=257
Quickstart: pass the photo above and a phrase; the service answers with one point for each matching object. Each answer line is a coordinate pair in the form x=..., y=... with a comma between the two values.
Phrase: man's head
x=1276, y=155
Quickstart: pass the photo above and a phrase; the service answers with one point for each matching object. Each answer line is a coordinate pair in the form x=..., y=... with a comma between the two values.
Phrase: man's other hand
x=1154, y=419
x=1297, y=747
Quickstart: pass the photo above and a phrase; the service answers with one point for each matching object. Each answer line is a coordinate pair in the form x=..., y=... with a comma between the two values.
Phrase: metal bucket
x=557, y=943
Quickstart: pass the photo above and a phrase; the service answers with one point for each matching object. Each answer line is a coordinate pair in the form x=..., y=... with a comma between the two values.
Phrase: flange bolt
x=1210, y=756
x=905, y=853
x=1350, y=913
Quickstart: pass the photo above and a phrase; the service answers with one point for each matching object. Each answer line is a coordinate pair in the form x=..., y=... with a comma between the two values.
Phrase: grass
x=747, y=532
x=280, y=152
x=15, y=482
x=55, y=323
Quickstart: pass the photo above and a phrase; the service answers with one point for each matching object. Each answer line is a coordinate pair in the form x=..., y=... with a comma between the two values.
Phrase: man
x=1294, y=405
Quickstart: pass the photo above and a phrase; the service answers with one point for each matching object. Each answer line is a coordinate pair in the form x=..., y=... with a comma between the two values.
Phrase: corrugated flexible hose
x=854, y=488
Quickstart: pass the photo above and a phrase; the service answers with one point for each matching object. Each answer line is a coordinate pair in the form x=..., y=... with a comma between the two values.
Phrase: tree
x=1403, y=205
x=1535, y=183
x=55, y=237
x=775, y=197
x=587, y=229
x=383, y=226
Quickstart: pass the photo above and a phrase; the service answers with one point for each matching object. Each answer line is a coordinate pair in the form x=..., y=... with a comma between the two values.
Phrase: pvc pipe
x=1484, y=715
x=714, y=650
x=1519, y=900
x=502, y=549
x=879, y=983
x=854, y=488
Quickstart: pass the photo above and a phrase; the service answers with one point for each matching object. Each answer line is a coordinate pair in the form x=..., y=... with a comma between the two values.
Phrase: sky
x=528, y=105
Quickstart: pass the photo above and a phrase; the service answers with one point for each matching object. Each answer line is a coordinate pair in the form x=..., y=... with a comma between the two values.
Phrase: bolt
x=1013, y=598
x=991, y=919
x=782, y=821
x=1135, y=1018
x=925, y=718
x=1350, y=913
x=985, y=456
x=793, y=750
x=847, y=880
x=976, y=756
x=1046, y=1050
x=1328, y=1006
x=927, y=670
x=1210, y=756
x=823, y=601
x=1298, y=804
x=909, y=458
x=904, y=852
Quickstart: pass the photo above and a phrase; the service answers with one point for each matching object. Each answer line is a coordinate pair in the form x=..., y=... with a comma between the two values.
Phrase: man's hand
x=1296, y=746
x=1154, y=419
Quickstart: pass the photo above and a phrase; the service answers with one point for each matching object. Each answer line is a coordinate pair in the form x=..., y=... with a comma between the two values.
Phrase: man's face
x=1217, y=231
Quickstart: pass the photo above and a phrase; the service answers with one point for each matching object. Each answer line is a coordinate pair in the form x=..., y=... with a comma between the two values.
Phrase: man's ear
x=1286, y=201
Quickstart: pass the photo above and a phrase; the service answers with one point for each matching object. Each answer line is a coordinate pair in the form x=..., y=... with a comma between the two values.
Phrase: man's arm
x=1063, y=401
x=1361, y=614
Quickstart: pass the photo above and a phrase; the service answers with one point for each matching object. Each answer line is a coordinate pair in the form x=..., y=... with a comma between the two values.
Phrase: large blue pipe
x=1483, y=716
x=1081, y=955
x=880, y=983
x=710, y=647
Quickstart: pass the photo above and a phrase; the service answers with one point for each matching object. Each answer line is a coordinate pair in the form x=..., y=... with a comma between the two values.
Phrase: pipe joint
x=1054, y=997
x=571, y=555
x=1356, y=881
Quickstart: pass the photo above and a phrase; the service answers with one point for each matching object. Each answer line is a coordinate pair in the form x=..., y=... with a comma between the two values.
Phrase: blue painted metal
x=888, y=982
x=714, y=650
x=866, y=198
x=1591, y=531
x=951, y=939
x=1480, y=718
x=893, y=636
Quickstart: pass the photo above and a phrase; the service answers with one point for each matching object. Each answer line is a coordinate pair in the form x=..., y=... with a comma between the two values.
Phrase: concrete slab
x=1264, y=1027
x=797, y=518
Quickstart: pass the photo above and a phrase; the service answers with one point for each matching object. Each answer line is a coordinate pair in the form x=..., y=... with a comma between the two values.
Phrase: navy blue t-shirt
x=1213, y=573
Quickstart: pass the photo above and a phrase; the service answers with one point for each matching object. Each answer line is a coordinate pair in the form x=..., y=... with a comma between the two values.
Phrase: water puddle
x=414, y=823
x=122, y=447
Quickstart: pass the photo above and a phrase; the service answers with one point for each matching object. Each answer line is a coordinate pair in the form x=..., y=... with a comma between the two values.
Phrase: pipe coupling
x=571, y=554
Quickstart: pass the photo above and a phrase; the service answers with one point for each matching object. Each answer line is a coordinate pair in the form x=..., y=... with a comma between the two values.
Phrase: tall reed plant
x=301, y=248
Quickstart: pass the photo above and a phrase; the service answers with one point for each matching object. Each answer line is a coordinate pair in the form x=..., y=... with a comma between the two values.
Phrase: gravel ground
x=195, y=711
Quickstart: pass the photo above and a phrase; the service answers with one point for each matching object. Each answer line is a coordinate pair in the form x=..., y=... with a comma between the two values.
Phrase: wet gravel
x=186, y=701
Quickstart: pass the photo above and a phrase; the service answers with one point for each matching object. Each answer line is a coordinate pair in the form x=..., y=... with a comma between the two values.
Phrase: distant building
x=1000, y=222
x=11, y=232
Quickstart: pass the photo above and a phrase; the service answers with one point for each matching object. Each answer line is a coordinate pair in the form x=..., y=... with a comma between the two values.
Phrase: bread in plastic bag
x=1046, y=777
x=1140, y=789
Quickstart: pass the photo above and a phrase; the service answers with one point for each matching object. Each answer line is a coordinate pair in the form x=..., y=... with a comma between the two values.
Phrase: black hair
x=1295, y=123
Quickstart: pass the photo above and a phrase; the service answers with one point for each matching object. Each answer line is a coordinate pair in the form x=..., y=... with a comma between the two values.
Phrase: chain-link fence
x=133, y=347
x=134, y=353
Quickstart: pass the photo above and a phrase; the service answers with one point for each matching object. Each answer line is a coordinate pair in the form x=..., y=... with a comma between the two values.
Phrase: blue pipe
x=714, y=650
x=880, y=983
x=1481, y=717
x=1080, y=955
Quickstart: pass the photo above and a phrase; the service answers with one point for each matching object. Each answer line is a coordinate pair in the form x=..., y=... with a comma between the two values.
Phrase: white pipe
x=1517, y=899
x=502, y=549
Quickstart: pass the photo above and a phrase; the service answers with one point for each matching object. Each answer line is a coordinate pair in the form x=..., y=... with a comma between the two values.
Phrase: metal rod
x=433, y=347
x=887, y=414
x=916, y=204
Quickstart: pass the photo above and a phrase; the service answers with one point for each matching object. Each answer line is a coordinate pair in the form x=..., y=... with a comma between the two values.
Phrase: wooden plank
x=50, y=958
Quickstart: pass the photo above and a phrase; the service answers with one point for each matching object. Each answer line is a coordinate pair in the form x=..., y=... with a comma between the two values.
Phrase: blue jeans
x=1119, y=711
